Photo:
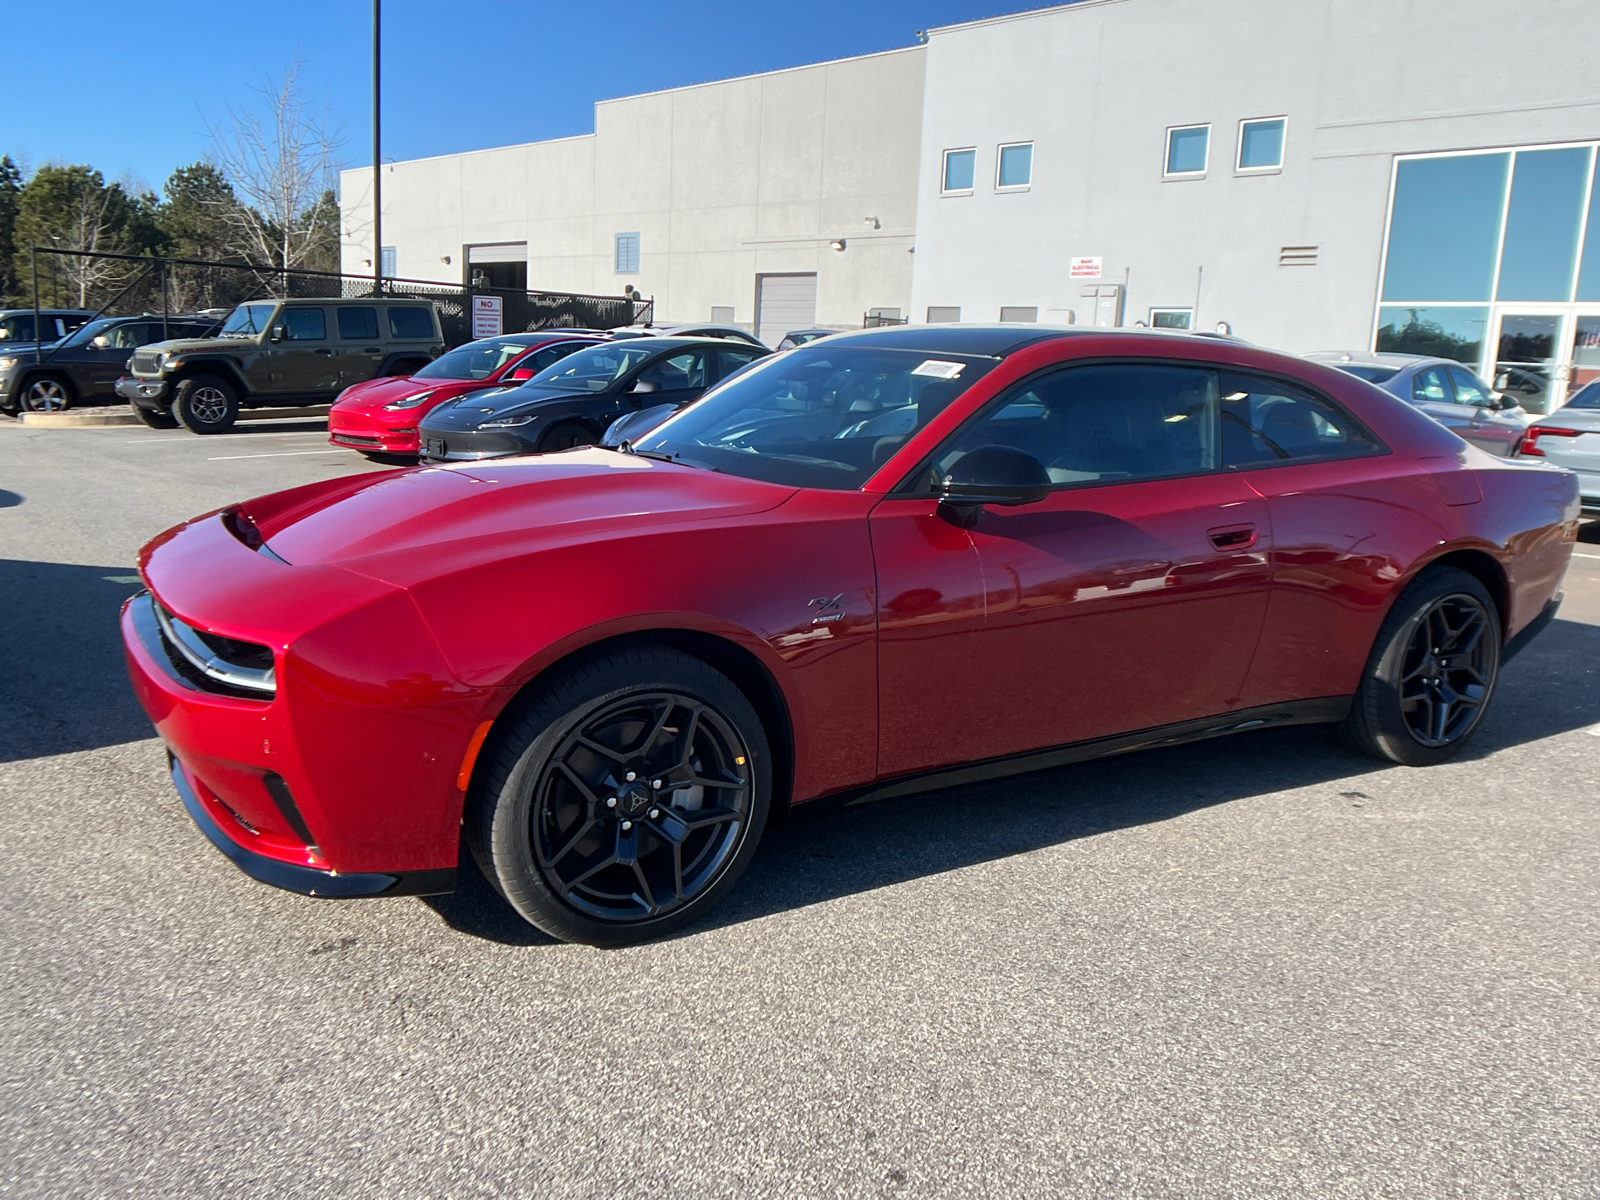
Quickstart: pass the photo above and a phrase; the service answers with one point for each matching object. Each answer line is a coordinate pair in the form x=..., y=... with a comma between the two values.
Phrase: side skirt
x=1324, y=711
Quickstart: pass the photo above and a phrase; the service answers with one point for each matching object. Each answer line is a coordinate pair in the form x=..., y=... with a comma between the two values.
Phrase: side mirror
x=522, y=373
x=101, y=342
x=999, y=475
x=277, y=333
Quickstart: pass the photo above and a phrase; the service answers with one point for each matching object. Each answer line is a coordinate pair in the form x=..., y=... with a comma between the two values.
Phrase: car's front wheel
x=1431, y=673
x=205, y=404
x=625, y=799
x=46, y=394
x=567, y=437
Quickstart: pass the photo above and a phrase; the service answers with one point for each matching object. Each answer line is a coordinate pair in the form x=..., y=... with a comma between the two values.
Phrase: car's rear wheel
x=1432, y=671
x=624, y=800
x=205, y=404
x=46, y=393
x=155, y=418
x=567, y=437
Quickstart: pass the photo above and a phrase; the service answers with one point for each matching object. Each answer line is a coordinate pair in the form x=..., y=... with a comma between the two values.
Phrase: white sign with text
x=487, y=318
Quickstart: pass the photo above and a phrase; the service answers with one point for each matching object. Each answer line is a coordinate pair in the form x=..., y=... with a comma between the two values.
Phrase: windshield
x=477, y=360
x=1372, y=374
x=248, y=320
x=594, y=370
x=1589, y=397
x=826, y=416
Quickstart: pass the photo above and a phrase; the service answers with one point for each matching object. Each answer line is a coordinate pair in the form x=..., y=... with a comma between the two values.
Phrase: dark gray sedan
x=1447, y=391
x=573, y=401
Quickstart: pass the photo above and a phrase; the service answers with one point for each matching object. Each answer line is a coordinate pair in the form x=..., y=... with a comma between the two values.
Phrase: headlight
x=509, y=422
x=7, y=363
x=409, y=401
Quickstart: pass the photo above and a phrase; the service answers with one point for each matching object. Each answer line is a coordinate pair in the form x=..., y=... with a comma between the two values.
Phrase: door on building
x=784, y=302
x=1527, y=349
x=1585, y=351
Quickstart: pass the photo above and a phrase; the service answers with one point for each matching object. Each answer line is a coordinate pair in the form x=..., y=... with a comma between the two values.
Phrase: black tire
x=538, y=817
x=567, y=436
x=1431, y=673
x=46, y=393
x=155, y=418
x=205, y=404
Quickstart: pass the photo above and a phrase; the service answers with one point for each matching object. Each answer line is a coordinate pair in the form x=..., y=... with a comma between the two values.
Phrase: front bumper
x=471, y=445
x=356, y=431
x=146, y=393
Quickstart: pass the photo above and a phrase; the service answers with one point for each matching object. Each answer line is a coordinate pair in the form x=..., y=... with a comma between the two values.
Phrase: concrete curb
x=80, y=420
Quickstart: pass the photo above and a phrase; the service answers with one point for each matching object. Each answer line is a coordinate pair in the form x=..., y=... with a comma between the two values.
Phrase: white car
x=1570, y=437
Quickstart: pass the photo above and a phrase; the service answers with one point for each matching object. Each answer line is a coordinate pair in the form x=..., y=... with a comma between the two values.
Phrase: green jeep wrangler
x=272, y=353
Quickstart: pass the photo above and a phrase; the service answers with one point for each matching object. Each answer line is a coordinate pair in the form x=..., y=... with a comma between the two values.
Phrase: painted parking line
x=276, y=454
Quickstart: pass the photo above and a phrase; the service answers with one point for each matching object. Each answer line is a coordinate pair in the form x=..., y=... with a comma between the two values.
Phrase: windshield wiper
x=627, y=447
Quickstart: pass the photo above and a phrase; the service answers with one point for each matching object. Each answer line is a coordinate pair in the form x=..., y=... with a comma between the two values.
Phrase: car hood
x=375, y=393
x=408, y=526
x=212, y=343
x=474, y=408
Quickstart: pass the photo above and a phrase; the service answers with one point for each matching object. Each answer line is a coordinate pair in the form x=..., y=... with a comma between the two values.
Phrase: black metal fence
x=130, y=285
x=874, y=320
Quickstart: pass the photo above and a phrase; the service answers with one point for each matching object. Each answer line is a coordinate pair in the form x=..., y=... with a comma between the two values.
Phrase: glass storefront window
x=1444, y=225
x=1541, y=239
x=1589, y=267
x=1436, y=332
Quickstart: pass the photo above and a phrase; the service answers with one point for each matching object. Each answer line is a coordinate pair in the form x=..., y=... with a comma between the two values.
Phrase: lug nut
x=627, y=825
x=630, y=777
x=611, y=802
x=654, y=813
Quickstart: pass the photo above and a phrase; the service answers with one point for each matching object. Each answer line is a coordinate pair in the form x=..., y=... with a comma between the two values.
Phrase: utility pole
x=377, y=153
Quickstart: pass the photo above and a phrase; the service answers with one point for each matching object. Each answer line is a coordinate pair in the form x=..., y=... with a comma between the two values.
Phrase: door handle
x=373, y=350
x=1233, y=537
x=325, y=352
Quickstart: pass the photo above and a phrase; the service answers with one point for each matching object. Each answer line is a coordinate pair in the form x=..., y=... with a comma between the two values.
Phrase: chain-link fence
x=132, y=285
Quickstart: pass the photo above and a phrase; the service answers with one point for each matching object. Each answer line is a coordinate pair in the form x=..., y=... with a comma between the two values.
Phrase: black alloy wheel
x=1432, y=671
x=46, y=393
x=625, y=800
x=567, y=436
x=205, y=404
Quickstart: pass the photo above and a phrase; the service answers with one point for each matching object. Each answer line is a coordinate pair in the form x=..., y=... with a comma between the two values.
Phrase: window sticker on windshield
x=938, y=368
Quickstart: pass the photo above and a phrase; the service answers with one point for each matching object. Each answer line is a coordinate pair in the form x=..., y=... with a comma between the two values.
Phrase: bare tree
x=280, y=163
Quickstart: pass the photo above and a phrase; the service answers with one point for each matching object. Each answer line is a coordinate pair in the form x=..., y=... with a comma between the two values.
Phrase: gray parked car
x=1447, y=391
x=1570, y=437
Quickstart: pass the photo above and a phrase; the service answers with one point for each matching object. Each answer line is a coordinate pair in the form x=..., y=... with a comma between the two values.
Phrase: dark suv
x=279, y=352
x=16, y=324
x=84, y=368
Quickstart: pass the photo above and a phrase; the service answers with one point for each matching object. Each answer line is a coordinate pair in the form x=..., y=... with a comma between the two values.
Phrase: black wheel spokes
x=1445, y=676
x=640, y=808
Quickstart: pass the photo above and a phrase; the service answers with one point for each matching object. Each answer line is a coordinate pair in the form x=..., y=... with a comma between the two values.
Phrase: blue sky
x=134, y=96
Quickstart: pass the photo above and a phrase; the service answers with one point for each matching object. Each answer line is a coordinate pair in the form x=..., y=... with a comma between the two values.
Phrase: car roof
x=1371, y=358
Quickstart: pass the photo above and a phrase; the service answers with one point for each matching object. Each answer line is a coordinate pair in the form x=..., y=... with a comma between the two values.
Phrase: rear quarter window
x=410, y=323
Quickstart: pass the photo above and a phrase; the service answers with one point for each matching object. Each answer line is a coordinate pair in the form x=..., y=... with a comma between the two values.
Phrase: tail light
x=1530, y=438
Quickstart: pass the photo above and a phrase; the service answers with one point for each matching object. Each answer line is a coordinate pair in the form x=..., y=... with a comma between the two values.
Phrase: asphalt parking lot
x=1259, y=966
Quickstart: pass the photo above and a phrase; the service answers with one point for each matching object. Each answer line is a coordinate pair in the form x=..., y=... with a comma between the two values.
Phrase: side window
x=540, y=359
x=1266, y=421
x=304, y=324
x=358, y=324
x=1102, y=424
x=408, y=323
x=735, y=359
x=1468, y=390
x=1429, y=385
x=680, y=373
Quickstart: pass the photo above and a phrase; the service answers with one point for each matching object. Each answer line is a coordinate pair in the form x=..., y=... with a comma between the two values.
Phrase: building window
x=959, y=168
x=1018, y=313
x=1261, y=145
x=1014, y=171
x=1449, y=331
x=1170, y=318
x=389, y=258
x=943, y=315
x=1188, y=149
x=1539, y=253
x=627, y=254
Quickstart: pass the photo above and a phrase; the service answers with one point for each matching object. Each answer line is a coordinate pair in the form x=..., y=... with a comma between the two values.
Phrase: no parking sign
x=487, y=318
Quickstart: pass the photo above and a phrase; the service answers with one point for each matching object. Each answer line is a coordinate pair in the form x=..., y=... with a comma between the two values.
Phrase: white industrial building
x=1318, y=174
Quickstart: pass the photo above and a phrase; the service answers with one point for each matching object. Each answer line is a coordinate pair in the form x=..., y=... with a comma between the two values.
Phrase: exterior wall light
x=837, y=243
x=445, y=259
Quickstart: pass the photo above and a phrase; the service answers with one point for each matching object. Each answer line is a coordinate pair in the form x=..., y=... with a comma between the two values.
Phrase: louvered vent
x=1298, y=256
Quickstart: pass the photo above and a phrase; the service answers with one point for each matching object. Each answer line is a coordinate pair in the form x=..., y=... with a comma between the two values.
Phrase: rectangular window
x=1442, y=332
x=1170, y=318
x=722, y=314
x=1541, y=238
x=1188, y=149
x=1261, y=145
x=943, y=315
x=1444, y=225
x=358, y=324
x=390, y=257
x=304, y=324
x=627, y=254
x=410, y=323
x=1015, y=167
x=959, y=169
x=1265, y=423
x=1018, y=313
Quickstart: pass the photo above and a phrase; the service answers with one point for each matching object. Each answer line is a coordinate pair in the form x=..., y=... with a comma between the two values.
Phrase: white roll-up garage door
x=784, y=302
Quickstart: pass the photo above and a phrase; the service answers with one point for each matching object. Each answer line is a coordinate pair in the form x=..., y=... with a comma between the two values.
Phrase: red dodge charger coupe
x=379, y=416
x=883, y=563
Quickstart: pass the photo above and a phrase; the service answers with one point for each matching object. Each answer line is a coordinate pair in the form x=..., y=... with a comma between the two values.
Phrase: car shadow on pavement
x=1552, y=687
x=9, y=499
x=63, y=683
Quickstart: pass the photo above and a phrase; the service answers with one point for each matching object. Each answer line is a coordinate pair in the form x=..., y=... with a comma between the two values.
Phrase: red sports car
x=892, y=561
x=379, y=417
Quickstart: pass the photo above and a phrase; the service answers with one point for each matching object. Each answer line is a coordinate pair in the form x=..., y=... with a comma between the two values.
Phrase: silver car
x=1570, y=437
x=1447, y=391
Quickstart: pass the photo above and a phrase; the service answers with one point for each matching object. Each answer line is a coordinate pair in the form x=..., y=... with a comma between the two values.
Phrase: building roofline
x=1029, y=14
x=406, y=162
x=827, y=62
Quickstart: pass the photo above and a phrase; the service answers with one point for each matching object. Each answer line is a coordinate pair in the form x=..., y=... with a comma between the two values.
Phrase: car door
x=1131, y=597
x=1432, y=393
x=103, y=365
x=675, y=379
x=733, y=359
x=360, y=350
x=1495, y=429
x=304, y=361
